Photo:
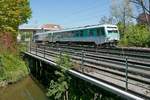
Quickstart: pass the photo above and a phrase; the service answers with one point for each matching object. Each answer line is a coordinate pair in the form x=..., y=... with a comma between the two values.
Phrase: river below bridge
x=26, y=89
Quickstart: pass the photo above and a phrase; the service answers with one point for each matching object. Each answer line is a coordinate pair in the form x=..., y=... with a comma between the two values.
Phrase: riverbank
x=12, y=67
x=26, y=89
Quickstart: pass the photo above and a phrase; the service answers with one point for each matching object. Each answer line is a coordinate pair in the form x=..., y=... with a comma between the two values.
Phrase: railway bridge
x=122, y=71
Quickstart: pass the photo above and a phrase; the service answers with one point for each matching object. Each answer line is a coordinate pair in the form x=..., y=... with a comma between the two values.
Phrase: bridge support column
x=31, y=64
x=37, y=69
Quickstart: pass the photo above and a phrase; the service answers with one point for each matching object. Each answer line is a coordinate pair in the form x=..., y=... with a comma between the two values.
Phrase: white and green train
x=97, y=34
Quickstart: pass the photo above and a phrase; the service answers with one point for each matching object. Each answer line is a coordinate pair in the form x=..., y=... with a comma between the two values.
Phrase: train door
x=101, y=34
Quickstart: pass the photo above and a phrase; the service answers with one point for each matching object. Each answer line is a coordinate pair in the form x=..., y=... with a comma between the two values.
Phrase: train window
x=66, y=34
x=98, y=32
x=74, y=34
x=112, y=31
x=71, y=34
x=95, y=32
x=102, y=30
x=81, y=33
x=85, y=33
x=77, y=34
x=36, y=36
x=91, y=33
x=63, y=35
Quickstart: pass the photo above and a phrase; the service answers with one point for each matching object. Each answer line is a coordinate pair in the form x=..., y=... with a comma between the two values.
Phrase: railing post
x=44, y=51
x=27, y=47
x=36, y=49
x=126, y=73
x=82, y=63
x=60, y=56
x=30, y=46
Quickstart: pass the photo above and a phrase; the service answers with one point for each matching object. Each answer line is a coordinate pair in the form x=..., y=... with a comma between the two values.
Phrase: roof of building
x=51, y=26
x=45, y=27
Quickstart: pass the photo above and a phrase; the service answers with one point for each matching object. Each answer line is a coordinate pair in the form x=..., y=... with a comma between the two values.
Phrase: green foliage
x=64, y=86
x=13, y=68
x=23, y=46
x=136, y=35
x=64, y=60
x=2, y=72
x=58, y=89
x=25, y=35
x=121, y=29
x=13, y=13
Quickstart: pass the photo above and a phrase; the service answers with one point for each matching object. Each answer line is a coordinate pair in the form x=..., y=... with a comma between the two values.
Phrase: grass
x=12, y=67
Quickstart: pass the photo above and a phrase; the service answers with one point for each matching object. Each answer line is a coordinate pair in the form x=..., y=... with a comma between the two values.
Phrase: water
x=26, y=89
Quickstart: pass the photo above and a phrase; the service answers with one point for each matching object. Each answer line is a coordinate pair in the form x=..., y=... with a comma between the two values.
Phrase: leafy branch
x=58, y=90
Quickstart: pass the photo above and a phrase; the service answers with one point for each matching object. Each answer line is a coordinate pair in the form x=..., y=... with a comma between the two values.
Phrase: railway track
x=108, y=67
x=140, y=59
x=139, y=54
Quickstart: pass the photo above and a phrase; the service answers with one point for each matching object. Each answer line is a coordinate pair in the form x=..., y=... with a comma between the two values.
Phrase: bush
x=136, y=35
x=59, y=88
x=12, y=67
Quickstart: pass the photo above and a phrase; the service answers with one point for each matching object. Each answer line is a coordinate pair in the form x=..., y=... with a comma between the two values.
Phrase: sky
x=68, y=13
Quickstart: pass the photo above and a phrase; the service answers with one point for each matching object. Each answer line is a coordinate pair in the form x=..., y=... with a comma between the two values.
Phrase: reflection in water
x=27, y=89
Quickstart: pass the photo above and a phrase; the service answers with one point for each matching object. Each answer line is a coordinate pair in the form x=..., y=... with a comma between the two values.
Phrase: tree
x=121, y=11
x=145, y=6
x=106, y=20
x=136, y=35
x=12, y=14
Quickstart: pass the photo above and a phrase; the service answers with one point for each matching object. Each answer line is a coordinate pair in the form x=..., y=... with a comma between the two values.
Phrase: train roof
x=80, y=28
x=85, y=27
x=43, y=33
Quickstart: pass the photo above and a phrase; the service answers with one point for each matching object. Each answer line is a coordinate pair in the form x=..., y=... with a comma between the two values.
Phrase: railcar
x=41, y=37
x=96, y=34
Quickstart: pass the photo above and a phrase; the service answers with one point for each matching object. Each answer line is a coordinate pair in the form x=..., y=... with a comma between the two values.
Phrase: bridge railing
x=123, y=69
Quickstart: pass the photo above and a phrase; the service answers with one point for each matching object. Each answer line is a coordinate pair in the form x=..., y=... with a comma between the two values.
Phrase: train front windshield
x=112, y=31
x=112, y=34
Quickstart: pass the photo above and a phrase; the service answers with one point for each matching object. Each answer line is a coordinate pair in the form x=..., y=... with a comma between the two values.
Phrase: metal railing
x=82, y=56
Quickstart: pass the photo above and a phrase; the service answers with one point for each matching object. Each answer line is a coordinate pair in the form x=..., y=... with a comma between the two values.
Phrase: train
x=93, y=34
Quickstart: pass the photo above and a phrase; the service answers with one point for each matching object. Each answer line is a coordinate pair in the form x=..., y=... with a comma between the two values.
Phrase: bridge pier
x=31, y=65
x=37, y=69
